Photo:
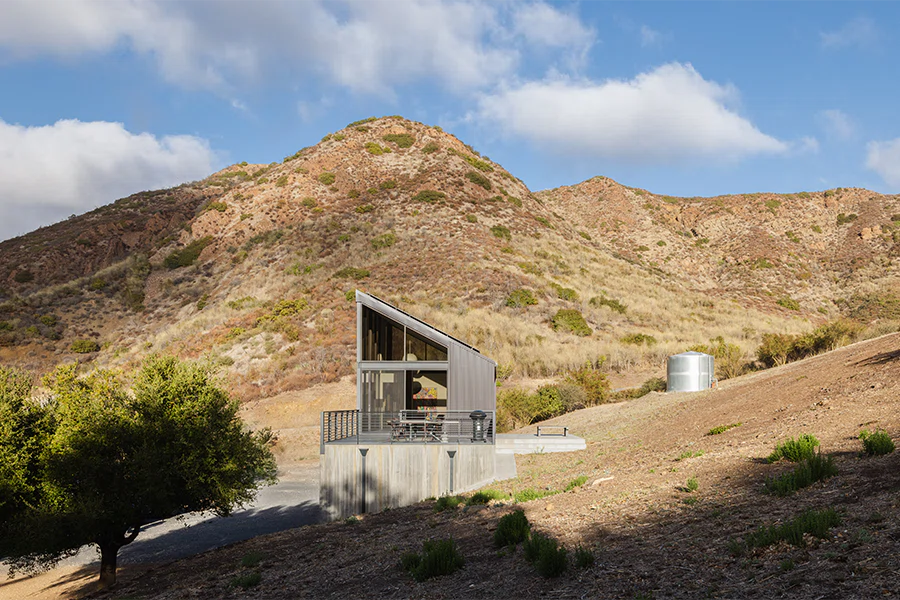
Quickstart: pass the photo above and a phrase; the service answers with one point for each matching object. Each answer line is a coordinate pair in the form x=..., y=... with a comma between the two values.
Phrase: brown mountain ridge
x=253, y=266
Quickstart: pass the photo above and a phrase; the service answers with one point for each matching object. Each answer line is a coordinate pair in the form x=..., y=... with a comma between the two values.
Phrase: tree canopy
x=94, y=462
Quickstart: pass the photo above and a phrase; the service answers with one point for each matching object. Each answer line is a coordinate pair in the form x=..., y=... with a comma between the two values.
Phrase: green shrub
x=485, y=496
x=252, y=559
x=729, y=357
x=692, y=485
x=385, y=240
x=815, y=468
x=217, y=206
x=517, y=408
x=518, y=203
x=611, y=303
x=327, y=178
x=773, y=204
x=816, y=228
x=376, y=149
x=548, y=557
x=843, y=219
x=638, y=339
x=448, y=502
x=84, y=346
x=501, y=232
x=361, y=122
x=584, y=558
x=722, y=428
x=654, y=384
x=661, y=243
x=577, y=482
x=6, y=326
x=387, y=185
x=795, y=450
x=512, y=529
x=570, y=320
x=877, y=443
x=430, y=147
x=281, y=181
x=97, y=284
x=403, y=140
x=529, y=494
x=309, y=202
x=479, y=179
x=593, y=381
x=429, y=196
x=788, y=303
x=475, y=162
x=352, y=273
x=187, y=255
x=365, y=208
x=565, y=293
x=521, y=298
x=246, y=580
x=49, y=320
x=811, y=522
x=439, y=557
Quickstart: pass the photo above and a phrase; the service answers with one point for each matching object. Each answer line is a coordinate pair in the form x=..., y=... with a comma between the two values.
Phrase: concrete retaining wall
x=403, y=474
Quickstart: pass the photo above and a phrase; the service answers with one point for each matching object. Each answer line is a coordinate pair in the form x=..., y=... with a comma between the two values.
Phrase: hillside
x=254, y=266
x=650, y=537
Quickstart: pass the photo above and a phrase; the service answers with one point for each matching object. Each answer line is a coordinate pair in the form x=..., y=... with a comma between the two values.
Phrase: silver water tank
x=689, y=372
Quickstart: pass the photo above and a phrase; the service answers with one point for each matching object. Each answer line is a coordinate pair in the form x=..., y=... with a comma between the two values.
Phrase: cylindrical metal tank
x=689, y=372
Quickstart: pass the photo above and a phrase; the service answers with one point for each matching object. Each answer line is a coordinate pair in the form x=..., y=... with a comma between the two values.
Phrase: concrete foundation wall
x=402, y=474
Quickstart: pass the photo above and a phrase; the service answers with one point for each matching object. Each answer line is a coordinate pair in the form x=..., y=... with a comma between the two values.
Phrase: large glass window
x=382, y=337
x=426, y=389
x=418, y=348
x=383, y=391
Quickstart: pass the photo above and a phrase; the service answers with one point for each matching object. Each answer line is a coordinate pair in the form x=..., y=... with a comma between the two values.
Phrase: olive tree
x=94, y=462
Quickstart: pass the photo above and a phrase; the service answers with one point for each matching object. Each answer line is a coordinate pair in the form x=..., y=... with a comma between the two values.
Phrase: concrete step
x=512, y=443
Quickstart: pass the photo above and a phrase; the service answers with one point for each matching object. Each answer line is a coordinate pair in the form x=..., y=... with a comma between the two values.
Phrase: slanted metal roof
x=417, y=325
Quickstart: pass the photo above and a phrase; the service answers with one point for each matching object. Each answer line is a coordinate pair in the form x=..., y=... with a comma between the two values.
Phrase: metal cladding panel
x=689, y=372
x=470, y=383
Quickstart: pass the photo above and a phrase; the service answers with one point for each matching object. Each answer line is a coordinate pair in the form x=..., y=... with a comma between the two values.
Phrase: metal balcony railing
x=407, y=426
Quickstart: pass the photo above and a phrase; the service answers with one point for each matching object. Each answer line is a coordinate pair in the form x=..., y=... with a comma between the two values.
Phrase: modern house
x=425, y=417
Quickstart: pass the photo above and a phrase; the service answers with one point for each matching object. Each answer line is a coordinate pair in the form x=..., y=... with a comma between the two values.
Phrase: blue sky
x=101, y=98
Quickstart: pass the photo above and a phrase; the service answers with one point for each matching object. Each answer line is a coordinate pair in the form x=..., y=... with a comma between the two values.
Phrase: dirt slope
x=650, y=538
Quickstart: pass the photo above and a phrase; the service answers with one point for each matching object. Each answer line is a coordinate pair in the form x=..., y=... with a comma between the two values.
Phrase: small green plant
x=309, y=202
x=688, y=454
x=327, y=178
x=572, y=321
x=479, y=179
x=795, y=450
x=84, y=346
x=773, y=204
x=512, y=529
x=217, y=206
x=661, y=243
x=565, y=293
x=471, y=218
x=501, y=232
x=521, y=298
x=352, y=273
x=387, y=185
x=816, y=228
x=485, y=496
x=385, y=240
x=692, y=485
x=639, y=339
x=403, y=140
x=788, y=303
x=815, y=468
x=722, y=428
x=610, y=303
x=430, y=147
x=187, y=255
x=439, y=557
x=246, y=580
x=281, y=181
x=529, y=494
x=576, y=483
x=429, y=196
x=364, y=208
x=792, y=236
x=877, y=443
x=252, y=559
x=545, y=553
x=762, y=263
x=843, y=219
x=448, y=502
x=584, y=558
x=813, y=522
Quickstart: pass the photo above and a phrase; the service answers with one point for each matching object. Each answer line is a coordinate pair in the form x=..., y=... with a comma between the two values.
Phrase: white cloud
x=365, y=45
x=884, y=159
x=860, y=32
x=649, y=37
x=53, y=171
x=668, y=114
x=837, y=124
x=807, y=145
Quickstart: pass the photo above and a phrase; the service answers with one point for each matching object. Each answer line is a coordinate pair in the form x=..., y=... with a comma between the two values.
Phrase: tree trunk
x=108, y=555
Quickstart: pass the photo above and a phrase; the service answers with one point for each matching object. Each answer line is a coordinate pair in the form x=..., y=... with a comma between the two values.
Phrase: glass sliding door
x=383, y=391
